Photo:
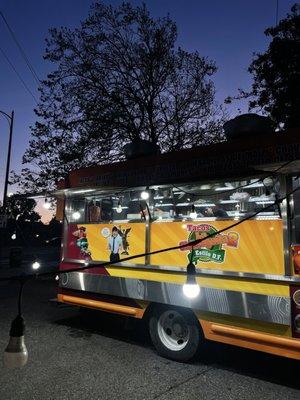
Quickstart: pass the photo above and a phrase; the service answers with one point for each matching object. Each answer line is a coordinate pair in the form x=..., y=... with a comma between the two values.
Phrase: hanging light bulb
x=36, y=265
x=76, y=215
x=14, y=236
x=145, y=194
x=16, y=354
x=119, y=208
x=47, y=204
x=191, y=288
x=193, y=213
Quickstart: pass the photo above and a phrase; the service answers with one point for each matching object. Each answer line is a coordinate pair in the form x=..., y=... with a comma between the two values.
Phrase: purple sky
x=225, y=31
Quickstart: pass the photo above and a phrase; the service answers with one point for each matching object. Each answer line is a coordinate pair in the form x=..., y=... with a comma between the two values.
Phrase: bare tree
x=118, y=77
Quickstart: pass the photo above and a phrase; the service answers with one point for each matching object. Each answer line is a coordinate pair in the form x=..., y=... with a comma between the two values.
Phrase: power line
x=277, y=7
x=18, y=75
x=22, y=51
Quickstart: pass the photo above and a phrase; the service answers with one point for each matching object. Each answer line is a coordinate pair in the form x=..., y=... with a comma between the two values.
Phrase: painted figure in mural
x=124, y=235
x=115, y=244
x=82, y=241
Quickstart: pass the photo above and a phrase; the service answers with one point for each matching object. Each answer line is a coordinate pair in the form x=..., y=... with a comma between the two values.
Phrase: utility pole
x=10, y=119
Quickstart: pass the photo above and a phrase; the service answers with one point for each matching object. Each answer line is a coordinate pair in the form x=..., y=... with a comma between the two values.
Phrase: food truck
x=247, y=277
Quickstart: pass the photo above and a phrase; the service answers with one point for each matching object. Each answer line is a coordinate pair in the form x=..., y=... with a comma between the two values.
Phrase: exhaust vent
x=140, y=148
x=248, y=125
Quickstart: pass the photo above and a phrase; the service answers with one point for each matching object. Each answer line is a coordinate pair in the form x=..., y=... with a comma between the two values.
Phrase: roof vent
x=248, y=125
x=140, y=148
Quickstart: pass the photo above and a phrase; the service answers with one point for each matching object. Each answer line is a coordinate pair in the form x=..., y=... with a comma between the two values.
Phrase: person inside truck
x=215, y=211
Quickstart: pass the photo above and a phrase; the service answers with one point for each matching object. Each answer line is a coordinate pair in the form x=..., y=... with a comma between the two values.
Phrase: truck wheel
x=175, y=332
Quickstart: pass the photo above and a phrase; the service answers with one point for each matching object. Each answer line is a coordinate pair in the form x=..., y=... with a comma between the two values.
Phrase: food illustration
x=210, y=248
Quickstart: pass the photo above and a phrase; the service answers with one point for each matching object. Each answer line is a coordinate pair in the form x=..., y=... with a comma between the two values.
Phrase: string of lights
x=129, y=258
x=16, y=354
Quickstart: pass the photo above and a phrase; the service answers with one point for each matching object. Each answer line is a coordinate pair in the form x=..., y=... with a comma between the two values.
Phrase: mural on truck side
x=106, y=242
x=254, y=246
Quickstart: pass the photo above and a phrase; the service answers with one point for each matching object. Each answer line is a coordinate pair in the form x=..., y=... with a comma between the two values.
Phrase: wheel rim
x=173, y=330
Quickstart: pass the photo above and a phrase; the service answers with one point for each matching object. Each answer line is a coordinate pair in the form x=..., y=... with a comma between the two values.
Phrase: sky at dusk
x=228, y=32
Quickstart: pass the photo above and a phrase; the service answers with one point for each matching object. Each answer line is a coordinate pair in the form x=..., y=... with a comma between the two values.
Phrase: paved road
x=93, y=355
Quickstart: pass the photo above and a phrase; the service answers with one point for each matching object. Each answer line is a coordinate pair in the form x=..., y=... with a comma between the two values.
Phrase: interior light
x=145, y=194
x=76, y=215
x=83, y=191
x=14, y=236
x=221, y=188
x=205, y=205
x=36, y=265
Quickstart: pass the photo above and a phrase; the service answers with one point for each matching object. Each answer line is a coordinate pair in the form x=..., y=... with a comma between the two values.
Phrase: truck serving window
x=218, y=200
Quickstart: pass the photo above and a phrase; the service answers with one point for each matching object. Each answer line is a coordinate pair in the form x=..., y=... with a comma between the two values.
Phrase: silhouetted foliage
x=276, y=74
x=118, y=77
x=21, y=209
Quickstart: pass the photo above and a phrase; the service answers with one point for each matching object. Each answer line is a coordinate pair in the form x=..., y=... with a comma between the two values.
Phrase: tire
x=175, y=332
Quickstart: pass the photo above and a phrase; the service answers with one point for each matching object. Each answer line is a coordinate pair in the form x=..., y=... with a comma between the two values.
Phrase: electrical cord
x=192, y=243
x=22, y=283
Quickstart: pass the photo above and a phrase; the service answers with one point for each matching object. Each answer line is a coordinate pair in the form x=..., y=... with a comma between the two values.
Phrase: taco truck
x=247, y=277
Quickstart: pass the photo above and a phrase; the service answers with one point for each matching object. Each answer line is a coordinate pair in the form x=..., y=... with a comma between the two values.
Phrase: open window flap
x=292, y=168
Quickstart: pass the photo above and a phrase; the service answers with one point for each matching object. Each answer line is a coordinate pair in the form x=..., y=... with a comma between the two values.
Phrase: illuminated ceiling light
x=36, y=265
x=205, y=205
x=220, y=188
x=191, y=289
x=83, y=191
x=145, y=194
x=228, y=201
x=76, y=215
x=14, y=236
x=265, y=202
x=254, y=184
x=205, y=187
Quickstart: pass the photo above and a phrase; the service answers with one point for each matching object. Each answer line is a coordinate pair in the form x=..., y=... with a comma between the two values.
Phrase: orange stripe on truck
x=101, y=305
x=279, y=345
